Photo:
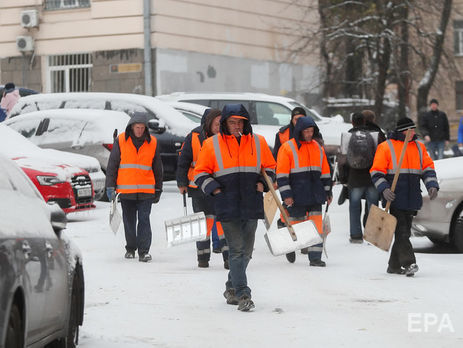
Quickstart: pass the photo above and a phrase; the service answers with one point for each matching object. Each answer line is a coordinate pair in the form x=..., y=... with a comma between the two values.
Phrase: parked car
x=14, y=144
x=168, y=125
x=268, y=113
x=68, y=185
x=84, y=131
x=41, y=278
x=441, y=220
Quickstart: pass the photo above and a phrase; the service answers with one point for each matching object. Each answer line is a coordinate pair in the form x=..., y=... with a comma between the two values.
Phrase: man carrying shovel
x=229, y=169
x=210, y=125
x=406, y=199
x=304, y=180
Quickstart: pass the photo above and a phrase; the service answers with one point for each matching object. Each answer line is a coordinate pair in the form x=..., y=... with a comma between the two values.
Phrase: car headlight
x=47, y=180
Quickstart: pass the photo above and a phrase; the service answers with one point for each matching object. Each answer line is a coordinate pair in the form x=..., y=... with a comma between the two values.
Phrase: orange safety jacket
x=196, y=148
x=417, y=165
x=135, y=174
x=303, y=173
x=235, y=169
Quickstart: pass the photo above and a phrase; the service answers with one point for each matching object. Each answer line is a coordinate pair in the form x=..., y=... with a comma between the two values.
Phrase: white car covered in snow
x=13, y=144
x=83, y=131
x=441, y=220
x=268, y=113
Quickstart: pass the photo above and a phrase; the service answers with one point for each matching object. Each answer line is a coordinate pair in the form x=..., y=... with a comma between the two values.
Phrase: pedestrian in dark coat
x=434, y=127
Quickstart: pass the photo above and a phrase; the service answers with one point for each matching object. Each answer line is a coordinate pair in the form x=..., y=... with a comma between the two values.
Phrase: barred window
x=65, y=4
x=69, y=73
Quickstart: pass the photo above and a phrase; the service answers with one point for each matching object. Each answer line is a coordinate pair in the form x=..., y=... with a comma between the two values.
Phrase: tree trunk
x=404, y=72
x=430, y=74
x=383, y=67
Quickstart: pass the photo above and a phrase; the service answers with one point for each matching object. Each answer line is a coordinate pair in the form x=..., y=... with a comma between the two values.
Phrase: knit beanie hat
x=297, y=111
x=404, y=124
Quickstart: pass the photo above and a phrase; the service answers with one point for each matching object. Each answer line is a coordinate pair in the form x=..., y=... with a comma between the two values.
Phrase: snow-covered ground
x=352, y=302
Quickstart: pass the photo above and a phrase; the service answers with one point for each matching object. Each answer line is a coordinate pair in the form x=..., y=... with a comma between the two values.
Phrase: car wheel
x=14, y=333
x=458, y=234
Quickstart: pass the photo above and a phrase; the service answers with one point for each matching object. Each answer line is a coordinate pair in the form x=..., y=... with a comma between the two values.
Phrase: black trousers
x=402, y=254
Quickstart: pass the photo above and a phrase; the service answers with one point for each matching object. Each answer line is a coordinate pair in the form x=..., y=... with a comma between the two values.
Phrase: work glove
x=432, y=192
x=388, y=195
x=110, y=193
x=157, y=196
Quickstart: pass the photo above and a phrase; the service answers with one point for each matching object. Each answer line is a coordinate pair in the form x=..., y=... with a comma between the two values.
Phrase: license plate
x=84, y=192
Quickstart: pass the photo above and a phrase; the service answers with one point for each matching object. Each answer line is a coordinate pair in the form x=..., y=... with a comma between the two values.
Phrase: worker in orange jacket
x=229, y=169
x=304, y=181
x=135, y=171
x=210, y=125
x=287, y=132
x=406, y=200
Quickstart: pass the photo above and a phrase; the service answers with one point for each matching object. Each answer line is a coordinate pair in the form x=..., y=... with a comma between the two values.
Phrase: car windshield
x=307, y=110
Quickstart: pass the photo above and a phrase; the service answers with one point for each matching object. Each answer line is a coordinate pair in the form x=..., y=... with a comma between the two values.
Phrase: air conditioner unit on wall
x=25, y=43
x=29, y=18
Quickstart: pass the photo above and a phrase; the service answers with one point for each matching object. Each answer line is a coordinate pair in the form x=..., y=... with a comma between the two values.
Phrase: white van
x=268, y=112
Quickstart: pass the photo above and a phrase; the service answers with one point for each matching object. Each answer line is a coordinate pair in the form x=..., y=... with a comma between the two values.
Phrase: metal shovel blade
x=279, y=241
x=115, y=217
x=380, y=228
x=186, y=229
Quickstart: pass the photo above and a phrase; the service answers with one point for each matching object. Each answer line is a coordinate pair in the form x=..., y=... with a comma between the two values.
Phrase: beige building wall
x=220, y=31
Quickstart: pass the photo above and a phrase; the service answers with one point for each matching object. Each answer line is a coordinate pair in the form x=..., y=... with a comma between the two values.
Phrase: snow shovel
x=188, y=228
x=326, y=226
x=380, y=226
x=270, y=208
x=115, y=217
x=298, y=236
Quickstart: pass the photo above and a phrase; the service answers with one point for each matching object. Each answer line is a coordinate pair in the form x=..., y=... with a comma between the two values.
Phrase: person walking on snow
x=135, y=171
x=229, y=169
x=210, y=125
x=304, y=180
x=434, y=127
x=406, y=200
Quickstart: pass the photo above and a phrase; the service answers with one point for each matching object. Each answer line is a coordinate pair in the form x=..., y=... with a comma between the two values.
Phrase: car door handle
x=27, y=250
x=48, y=248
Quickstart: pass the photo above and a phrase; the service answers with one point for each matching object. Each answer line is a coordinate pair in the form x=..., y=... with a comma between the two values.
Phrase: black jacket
x=435, y=124
x=115, y=160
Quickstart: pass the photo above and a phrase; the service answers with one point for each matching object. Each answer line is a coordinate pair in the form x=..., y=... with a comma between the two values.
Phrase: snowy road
x=351, y=303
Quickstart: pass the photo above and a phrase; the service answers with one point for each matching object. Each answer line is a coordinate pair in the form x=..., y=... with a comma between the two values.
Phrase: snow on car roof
x=14, y=145
x=179, y=124
x=224, y=95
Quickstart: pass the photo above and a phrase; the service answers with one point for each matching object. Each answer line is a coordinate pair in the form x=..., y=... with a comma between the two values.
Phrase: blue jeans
x=355, y=207
x=137, y=236
x=240, y=235
x=436, y=149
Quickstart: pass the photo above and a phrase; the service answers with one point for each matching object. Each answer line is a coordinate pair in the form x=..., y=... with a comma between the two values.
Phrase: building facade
x=196, y=45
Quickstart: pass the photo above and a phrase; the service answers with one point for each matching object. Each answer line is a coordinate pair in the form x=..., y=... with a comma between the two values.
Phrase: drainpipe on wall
x=147, y=46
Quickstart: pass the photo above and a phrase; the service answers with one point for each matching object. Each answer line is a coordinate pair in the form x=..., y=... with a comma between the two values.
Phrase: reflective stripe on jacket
x=416, y=165
x=196, y=148
x=303, y=173
x=234, y=167
x=135, y=174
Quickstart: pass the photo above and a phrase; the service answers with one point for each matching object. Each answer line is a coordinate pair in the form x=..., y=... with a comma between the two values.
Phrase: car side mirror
x=57, y=217
x=156, y=127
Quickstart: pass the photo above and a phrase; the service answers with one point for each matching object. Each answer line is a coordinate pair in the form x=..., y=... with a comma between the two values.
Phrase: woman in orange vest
x=229, y=169
x=135, y=171
x=406, y=199
x=304, y=181
x=210, y=124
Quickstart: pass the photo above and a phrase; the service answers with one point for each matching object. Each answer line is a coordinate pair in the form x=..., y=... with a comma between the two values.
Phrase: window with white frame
x=65, y=4
x=69, y=73
x=458, y=37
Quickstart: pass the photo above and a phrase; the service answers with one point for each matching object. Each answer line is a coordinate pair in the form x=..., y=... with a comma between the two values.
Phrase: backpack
x=361, y=149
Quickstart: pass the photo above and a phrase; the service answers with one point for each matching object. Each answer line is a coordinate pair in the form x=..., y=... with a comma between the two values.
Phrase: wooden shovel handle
x=280, y=206
x=397, y=171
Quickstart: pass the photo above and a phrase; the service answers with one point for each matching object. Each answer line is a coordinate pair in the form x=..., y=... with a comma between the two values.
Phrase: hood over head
x=239, y=110
x=304, y=123
x=9, y=87
x=203, y=118
x=138, y=117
